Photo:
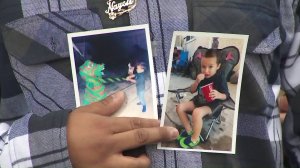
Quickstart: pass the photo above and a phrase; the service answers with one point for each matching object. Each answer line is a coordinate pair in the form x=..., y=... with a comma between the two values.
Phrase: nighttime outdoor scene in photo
x=114, y=61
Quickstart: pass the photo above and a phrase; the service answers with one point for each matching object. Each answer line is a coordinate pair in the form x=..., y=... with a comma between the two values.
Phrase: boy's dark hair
x=141, y=64
x=210, y=53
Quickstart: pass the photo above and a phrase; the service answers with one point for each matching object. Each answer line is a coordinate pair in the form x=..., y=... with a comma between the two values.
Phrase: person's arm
x=194, y=86
x=105, y=138
x=28, y=140
x=222, y=92
x=130, y=69
x=33, y=141
x=130, y=78
x=215, y=94
x=63, y=139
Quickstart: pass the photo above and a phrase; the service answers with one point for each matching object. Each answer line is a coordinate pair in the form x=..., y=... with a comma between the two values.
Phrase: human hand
x=200, y=77
x=214, y=94
x=130, y=69
x=130, y=78
x=97, y=140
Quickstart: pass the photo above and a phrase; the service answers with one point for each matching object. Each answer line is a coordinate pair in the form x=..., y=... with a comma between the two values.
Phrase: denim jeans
x=141, y=96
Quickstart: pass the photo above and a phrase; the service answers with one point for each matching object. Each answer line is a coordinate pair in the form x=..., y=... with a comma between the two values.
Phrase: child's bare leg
x=182, y=110
x=197, y=118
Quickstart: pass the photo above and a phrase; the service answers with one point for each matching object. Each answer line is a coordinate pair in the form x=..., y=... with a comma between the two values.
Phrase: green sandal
x=187, y=142
x=184, y=134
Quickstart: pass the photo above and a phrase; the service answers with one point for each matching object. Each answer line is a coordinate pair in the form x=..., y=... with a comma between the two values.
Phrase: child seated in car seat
x=210, y=75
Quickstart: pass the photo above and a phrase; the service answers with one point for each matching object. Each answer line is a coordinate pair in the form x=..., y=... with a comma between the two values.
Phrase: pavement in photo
x=130, y=107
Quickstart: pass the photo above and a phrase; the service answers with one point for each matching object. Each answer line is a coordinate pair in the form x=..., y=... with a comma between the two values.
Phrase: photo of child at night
x=139, y=80
x=107, y=61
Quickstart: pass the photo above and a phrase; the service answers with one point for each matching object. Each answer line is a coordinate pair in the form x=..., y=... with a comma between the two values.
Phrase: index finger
x=121, y=124
x=107, y=106
x=139, y=137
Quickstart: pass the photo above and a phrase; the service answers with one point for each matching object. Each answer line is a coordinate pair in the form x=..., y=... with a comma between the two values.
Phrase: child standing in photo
x=210, y=74
x=139, y=80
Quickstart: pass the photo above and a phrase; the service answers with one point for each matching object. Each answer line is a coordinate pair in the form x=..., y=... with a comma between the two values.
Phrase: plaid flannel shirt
x=34, y=63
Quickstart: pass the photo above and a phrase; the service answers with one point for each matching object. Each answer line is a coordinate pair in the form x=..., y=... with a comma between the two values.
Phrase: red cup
x=206, y=89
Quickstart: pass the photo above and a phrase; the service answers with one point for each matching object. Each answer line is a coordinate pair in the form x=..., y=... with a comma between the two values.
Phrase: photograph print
x=110, y=60
x=203, y=90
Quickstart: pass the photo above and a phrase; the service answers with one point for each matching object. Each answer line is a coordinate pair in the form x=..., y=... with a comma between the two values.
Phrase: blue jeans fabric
x=141, y=96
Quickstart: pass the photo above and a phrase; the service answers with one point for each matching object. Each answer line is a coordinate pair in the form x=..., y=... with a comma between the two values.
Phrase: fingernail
x=174, y=132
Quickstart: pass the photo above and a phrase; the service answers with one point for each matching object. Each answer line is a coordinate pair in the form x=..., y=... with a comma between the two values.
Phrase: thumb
x=107, y=106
